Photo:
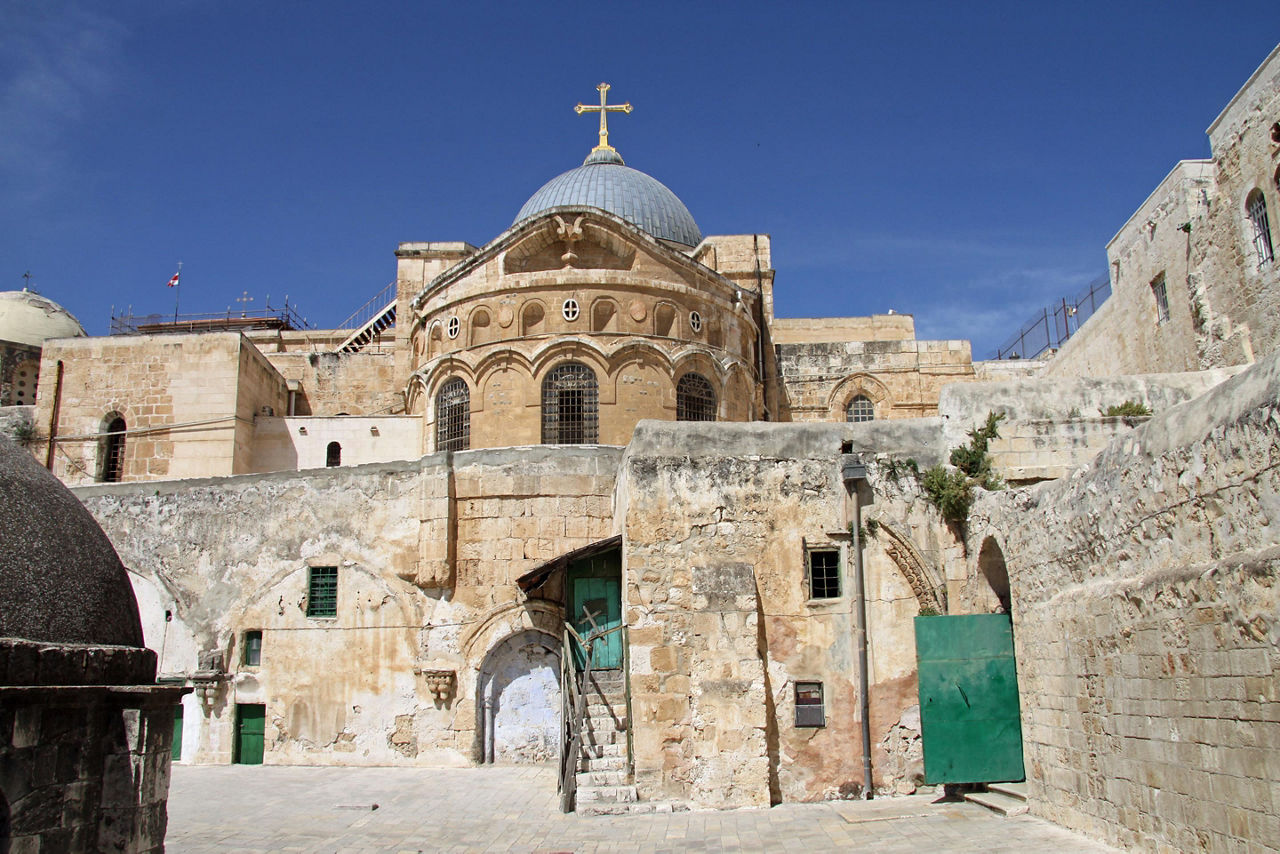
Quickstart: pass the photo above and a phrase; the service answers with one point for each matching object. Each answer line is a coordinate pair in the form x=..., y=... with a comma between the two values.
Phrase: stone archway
x=992, y=568
x=926, y=583
x=518, y=700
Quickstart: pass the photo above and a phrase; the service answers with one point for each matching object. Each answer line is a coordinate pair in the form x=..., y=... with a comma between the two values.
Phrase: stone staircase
x=1007, y=799
x=604, y=777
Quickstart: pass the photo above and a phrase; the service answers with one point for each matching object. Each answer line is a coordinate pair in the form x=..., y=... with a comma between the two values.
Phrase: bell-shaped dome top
x=605, y=181
x=28, y=318
x=60, y=578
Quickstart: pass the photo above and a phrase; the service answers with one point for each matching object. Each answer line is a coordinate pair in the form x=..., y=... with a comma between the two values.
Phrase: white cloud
x=57, y=58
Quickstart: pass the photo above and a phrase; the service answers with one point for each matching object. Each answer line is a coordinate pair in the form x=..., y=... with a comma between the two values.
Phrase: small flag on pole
x=173, y=283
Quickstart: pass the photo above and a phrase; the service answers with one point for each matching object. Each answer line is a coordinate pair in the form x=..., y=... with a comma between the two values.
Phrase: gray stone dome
x=28, y=318
x=60, y=578
x=604, y=181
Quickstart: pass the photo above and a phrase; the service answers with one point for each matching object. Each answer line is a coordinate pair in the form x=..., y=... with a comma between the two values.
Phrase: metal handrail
x=365, y=313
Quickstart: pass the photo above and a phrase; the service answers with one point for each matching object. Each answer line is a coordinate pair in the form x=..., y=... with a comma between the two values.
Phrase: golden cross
x=604, y=109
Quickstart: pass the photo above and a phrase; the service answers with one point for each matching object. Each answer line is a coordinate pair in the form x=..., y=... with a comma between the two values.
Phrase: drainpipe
x=854, y=473
x=53, y=417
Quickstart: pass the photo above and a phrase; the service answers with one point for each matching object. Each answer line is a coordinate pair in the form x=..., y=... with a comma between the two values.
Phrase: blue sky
x=962, y=162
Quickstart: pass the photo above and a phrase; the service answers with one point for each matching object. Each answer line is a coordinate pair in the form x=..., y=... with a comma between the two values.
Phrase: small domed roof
x=605, y=181
x=60, y=578
x=28, y=318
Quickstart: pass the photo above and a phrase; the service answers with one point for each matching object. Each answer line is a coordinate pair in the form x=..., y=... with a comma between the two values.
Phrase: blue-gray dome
x=603, y=181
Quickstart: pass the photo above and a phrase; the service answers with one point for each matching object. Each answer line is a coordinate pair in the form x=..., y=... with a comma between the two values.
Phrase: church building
x=577, y=495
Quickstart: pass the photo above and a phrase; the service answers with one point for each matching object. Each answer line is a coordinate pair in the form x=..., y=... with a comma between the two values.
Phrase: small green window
x=252, y=649
x=322, y=591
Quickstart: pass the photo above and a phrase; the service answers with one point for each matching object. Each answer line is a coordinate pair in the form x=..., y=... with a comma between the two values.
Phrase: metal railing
x=366, y=312
x=285, y=317
x=1051, y=327
x=575, y=682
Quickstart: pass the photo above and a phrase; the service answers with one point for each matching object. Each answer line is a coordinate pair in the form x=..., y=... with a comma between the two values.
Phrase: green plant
x=870, y=528
x=895, y=468
x=928, y=611
x=1128, y=408
x=24, y=433
x=1074, y=412
x=950, y=491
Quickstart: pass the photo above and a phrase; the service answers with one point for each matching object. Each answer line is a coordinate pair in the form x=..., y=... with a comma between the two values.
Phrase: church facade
x=375, y=544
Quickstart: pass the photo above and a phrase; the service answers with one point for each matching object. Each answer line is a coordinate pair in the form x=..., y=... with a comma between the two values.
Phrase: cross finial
x=244, y=299
x=604, y=109
x=26, y=285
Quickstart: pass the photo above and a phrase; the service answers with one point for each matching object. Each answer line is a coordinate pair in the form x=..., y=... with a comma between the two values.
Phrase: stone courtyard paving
x=239, y=808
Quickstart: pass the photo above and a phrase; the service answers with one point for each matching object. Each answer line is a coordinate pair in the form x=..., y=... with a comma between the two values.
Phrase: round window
x=454, y=326
x=695, y=321
x=570, y=309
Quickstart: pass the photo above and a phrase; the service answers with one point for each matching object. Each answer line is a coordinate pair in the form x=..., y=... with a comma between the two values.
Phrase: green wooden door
x=969, y=699
x=595, y=589
x=176, y=751
x=251, y=720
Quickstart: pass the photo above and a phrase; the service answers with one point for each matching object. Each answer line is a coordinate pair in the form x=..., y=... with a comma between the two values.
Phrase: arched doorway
x=518, y=695
x=991, y=566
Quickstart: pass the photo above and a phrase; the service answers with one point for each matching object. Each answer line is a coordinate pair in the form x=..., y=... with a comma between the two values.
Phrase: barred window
x=860, y=409
x=1257, y=205
x=113, y=451
x=570, y=410
x=322, y=591
x=824, y=573
x=453, y=416
x=1161, y=293
x=695, y=399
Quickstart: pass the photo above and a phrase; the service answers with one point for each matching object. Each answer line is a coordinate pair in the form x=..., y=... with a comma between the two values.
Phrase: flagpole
x=177, y=293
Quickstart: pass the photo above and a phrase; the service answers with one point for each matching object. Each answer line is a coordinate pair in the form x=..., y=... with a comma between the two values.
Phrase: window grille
x=1162, y=299
x=453, y=416
x=322, y=591
x=333, y=455
x=454, y=326
x=824, y=573
x=810, y=710
x=252, y=649
x=1261, y=227
x=570, y=406
x=695, y=321
x=695, y=399
x=113, y=451
x=860, y=409
x=570, y=310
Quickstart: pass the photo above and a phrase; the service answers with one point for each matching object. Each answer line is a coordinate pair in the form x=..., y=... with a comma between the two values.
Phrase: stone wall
x=902, y=378
x=427, y=556
x=188, y=402
x=1145, y=620
x=717, y=522
x=1053, y=426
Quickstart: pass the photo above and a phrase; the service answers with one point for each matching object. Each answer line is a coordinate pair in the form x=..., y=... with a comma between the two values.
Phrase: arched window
x=860, y=409
x=570, y=412
x=695, y=399
x=1257, y=206
x=333, y=455
x=113, y=451
x=453, y=416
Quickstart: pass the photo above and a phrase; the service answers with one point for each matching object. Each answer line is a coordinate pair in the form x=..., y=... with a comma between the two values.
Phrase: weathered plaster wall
x=1145, y=619
x=717, y=521
x=362, y=383
x=427, y=553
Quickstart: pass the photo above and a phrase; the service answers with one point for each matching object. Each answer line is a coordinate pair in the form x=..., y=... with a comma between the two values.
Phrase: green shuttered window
x=322, y=591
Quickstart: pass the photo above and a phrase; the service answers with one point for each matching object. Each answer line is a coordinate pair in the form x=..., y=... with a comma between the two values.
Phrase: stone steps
x=637, y=808
x=1007, y=799
x=603, y=782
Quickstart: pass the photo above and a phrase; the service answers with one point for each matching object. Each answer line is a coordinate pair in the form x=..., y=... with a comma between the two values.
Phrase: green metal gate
x=175, y=751
x=969, y=699
x=251, y=720
x=595, y=588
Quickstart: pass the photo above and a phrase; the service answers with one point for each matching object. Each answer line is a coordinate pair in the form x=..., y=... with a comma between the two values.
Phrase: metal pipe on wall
x=854, y=473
